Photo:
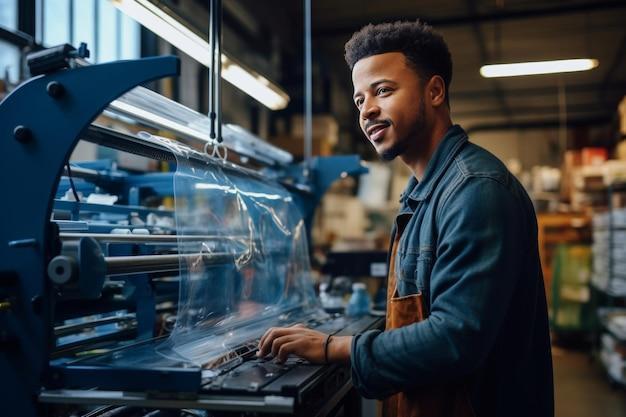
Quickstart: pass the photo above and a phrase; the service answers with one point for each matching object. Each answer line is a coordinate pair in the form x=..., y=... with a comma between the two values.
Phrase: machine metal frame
x=40, y=124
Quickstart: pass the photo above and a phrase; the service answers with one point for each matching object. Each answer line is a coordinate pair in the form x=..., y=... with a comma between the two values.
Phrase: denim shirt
x=470, y=247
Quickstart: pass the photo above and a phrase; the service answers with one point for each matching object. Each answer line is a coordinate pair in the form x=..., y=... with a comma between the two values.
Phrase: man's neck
x=418, y=163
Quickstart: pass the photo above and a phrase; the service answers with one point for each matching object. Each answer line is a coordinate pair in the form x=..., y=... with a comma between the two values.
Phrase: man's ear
x=436, y=91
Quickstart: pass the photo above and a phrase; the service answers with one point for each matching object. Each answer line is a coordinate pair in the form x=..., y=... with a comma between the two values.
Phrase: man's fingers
x=272, y=333
x=279, y=342
x=264, y=337
x=266, y=341
x=285, y=350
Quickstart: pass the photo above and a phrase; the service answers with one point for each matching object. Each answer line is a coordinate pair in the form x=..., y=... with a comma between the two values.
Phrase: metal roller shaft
x=126, y=265
x=130, y=238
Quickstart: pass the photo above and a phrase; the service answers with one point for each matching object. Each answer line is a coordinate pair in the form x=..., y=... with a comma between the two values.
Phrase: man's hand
x=303, y=342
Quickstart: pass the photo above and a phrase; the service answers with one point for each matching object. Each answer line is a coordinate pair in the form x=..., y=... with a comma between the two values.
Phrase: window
x=56, y=22
x=9, y=54
x=83, y=23
x=8, y=14
x=9, y=62
x=109, y=34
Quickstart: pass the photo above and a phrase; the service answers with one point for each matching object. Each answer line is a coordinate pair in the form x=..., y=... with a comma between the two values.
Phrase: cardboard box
x=325, y=135
x=593, y=156
x=323, y=126
x=342, y=217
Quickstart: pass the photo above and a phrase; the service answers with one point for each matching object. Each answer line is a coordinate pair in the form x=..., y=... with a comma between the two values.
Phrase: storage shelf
x=608, y=291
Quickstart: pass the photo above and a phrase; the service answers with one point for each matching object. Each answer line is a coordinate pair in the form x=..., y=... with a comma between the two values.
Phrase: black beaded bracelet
x=326, y=343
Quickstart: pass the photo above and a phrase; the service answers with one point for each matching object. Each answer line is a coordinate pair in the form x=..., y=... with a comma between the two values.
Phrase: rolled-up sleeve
x=473, y=277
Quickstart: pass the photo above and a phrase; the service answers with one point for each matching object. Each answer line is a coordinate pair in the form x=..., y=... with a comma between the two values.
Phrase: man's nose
x=369, y=109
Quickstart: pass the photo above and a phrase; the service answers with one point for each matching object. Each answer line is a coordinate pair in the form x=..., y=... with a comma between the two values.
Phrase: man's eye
x=382, y=90
x=358, y=102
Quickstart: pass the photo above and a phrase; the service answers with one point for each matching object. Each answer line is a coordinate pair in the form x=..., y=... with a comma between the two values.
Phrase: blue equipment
x=55, y=255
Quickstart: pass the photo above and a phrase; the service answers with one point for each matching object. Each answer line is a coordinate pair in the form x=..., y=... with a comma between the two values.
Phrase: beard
x=403, y=143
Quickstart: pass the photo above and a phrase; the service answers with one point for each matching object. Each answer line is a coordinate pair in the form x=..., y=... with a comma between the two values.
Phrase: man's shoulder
x=477, y=162
x=474, y=168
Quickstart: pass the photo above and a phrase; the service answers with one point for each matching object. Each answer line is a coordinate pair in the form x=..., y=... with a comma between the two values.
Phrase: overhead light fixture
x=183, y=38
x=537, y=67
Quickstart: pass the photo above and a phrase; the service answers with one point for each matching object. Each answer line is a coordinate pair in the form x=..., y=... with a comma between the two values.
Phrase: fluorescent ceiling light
x=254, y=85
x=538, y=67
x=171, y=30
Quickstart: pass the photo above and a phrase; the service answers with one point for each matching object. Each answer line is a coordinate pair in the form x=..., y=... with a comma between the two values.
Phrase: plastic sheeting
x=227, y=302
x=156, y=110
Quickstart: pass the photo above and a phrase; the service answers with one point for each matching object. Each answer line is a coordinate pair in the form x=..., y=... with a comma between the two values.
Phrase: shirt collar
x=446, y=150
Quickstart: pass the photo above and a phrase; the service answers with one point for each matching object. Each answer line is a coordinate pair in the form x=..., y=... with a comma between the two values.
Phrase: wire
x=72, y=186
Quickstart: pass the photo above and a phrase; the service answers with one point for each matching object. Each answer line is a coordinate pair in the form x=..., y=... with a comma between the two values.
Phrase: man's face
x=389, y=97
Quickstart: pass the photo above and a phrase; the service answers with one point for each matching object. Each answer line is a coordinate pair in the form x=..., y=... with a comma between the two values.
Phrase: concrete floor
x=582, y=390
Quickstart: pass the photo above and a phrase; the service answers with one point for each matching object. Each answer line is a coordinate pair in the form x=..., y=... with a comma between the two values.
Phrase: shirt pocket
x=405, y=279
x=423, y=269
x=414, y=268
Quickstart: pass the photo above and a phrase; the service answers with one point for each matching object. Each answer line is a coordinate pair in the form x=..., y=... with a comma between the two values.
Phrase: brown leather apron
x=424, y=401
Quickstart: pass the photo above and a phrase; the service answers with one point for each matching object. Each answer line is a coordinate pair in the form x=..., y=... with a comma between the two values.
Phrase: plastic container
x=359, y=304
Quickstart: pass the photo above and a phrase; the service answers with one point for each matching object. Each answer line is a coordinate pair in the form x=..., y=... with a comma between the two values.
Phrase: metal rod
x=562, y=117
x=308, y=87
x=127, y=265
x=110, y=138
x=79, y=172
x=112, y=237
x=217, y=27
x=212, y=81
x=238, y=403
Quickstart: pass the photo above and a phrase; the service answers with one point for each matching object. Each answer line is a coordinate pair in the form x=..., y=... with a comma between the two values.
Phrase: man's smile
x=375, y=132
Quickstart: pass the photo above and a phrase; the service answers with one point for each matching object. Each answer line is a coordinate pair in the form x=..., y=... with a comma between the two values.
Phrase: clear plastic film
x=156, y=110
x=244, y=264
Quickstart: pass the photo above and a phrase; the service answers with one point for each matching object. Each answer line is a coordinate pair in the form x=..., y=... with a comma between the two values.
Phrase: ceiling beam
x=563, y=8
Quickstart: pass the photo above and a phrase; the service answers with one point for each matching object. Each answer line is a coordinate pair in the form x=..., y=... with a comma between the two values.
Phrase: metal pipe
x=215, y=46
x=112, y=237
x=217, y=27
x=79, y=172
x=308, y=90
x=128, y=265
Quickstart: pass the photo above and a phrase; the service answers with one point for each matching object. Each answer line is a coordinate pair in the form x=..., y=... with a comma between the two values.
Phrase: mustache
x=371, y=123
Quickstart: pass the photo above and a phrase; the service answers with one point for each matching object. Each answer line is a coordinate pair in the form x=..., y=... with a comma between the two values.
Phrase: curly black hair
x=425, y=50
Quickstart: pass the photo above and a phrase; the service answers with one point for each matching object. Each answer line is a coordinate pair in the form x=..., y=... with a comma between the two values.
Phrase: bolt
x=55, y=89
x=37, y=304
x=22, y=133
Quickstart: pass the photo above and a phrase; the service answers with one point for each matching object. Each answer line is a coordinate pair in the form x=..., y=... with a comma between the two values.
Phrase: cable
x=72, y=186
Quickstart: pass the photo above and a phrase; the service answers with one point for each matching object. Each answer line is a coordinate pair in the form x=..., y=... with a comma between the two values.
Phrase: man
x=467, y=328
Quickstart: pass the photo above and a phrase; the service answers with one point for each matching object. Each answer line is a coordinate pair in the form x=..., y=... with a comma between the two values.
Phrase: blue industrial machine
x=83, y=280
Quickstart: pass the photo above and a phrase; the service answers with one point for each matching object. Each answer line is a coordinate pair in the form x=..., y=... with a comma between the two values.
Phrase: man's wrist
x=339, y=349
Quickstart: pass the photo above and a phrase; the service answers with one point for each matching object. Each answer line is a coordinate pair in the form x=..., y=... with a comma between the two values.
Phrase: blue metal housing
x=37, y=135
x=38, y=132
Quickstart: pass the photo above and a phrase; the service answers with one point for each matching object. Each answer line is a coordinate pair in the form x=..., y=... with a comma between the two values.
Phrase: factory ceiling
x=480, y=32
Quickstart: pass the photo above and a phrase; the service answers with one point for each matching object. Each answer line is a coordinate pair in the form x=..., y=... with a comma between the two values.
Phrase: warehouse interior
x=133, y=230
